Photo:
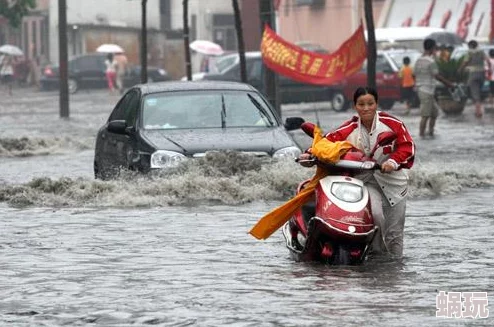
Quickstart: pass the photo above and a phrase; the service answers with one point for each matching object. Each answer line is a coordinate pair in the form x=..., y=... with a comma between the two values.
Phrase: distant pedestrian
x=122, y=62
x=407, y=83
x=426, y=72
x=7, y=71
x=474, y=64
x=111, y=71
x=491, y=77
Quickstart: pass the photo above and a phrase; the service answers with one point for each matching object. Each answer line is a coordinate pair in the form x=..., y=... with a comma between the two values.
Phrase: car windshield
x=225, y=62
x=397, y=57
x=205, y=109
x=460, y=52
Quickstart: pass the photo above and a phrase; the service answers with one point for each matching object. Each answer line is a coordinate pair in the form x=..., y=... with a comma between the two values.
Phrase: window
x=87, y=63
x=131, y=108
x=224, y=31
x=119, y=111
x=204, y=109
x=382, y=65
x=314, y=3
x=254, y=70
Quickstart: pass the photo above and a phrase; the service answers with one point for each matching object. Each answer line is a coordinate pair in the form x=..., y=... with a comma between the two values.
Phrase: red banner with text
x=309, y=67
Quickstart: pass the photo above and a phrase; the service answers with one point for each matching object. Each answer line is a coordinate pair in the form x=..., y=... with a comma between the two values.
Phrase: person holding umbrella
x=111, y=71
x=7, y=71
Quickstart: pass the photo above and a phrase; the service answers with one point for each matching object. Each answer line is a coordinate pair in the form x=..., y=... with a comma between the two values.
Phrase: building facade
x=327, y=23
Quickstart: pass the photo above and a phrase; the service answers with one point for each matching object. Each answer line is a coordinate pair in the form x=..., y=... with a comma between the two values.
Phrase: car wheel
x=73, y=86
x=101, y=173
x=386, y=104
x=339, y=102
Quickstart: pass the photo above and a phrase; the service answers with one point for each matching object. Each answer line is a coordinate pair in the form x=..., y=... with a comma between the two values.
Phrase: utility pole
x=63, y=59
x=144, y=44
x=188, y=65
x=371, y=44
x=240, y=40
x=270, y=85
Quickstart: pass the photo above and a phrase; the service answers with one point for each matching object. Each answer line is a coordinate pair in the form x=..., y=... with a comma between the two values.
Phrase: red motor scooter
x=337, y=226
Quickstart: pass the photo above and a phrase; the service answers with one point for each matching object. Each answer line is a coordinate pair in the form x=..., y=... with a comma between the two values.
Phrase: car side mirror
x=292, y=123
x=117, y=127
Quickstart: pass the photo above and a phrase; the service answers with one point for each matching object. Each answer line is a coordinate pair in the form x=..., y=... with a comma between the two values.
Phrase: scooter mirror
x=308, y=128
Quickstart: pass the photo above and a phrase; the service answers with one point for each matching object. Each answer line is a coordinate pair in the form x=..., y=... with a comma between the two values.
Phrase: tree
x=14, y=10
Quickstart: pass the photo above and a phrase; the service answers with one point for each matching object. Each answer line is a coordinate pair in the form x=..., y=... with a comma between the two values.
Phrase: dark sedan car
x=88, y=71
x=156, y=126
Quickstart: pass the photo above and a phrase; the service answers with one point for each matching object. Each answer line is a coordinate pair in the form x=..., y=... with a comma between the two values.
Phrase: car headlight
x=166, y=159
x=162, y=72
x=288, y=152
x=347, y=192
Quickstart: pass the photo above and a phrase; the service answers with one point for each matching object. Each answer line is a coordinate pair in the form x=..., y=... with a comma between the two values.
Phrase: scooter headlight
x=347, y=192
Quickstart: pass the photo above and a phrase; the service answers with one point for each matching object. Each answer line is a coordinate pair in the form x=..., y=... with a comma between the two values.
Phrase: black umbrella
x=446, y=38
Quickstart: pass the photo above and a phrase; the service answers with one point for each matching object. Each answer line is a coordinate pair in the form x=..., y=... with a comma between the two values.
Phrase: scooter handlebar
x=348, y=164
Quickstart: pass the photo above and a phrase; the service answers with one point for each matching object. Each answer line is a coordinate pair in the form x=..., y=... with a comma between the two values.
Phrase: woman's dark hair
x=491, y=53
x=109, y=56
x=406, y=60
x=363, y=91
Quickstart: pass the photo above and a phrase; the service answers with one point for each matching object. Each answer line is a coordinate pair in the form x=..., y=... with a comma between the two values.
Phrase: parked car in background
x=290, y=90
x=387, y=80
x=338, y=94
x=159, y=125
x=88, y=72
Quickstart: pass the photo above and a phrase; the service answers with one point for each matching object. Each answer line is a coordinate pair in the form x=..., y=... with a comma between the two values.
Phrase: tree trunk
x=188, y=65
x=240, y=39
x=371, y=44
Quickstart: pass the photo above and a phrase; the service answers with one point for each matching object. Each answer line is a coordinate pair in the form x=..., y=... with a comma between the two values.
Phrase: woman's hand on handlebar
x=387, y=167
x=306, y=160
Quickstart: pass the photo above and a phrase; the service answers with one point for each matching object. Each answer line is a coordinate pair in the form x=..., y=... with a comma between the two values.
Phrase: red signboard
x=309, y=67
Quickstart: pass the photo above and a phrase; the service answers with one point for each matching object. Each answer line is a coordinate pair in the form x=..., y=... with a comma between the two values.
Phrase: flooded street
x=174, y=249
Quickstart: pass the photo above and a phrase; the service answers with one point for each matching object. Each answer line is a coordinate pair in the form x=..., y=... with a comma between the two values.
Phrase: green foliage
x=15, y=10
x=450, y=69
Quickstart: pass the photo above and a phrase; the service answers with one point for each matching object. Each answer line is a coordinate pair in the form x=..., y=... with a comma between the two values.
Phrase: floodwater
x=174, y=249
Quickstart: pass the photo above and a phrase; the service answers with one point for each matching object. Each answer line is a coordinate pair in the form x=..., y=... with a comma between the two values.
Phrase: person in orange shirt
x=407, y=83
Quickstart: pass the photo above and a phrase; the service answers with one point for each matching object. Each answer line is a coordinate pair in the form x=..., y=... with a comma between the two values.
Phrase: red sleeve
x=404, y=150
x=342, y=132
